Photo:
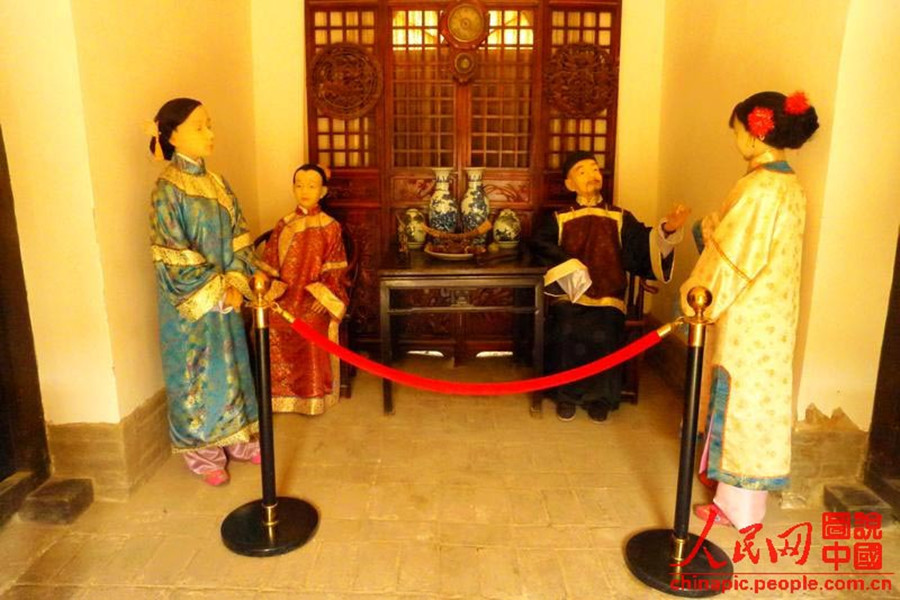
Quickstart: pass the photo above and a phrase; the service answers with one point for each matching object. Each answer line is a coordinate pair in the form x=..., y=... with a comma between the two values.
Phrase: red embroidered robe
x=307, y=250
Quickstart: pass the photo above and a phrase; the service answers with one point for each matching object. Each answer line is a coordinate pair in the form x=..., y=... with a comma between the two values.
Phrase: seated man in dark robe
x=588, y=250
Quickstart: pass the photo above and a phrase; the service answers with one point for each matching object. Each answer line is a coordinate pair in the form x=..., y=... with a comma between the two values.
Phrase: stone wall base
x=116, y=457
x=824, y=451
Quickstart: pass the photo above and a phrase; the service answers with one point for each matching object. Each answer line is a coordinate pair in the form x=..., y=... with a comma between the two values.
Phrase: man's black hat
x=575, y=158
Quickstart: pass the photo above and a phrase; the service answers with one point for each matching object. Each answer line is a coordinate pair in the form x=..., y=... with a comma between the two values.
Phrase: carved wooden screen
x=436, y=117
x=345, y=80
x=344, y=120
x=544, y=84
x=581, y=85
x=442, y=122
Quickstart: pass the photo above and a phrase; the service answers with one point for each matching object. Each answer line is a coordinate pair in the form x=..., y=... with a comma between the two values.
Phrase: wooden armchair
x=635, y=326
x=348, y=371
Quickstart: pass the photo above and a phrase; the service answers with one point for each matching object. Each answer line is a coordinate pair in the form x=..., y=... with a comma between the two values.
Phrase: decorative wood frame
x=581, y=80
x=345, y=81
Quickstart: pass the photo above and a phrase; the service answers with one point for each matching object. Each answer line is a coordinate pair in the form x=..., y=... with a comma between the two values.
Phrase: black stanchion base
x=649, y=557
x=244, y=530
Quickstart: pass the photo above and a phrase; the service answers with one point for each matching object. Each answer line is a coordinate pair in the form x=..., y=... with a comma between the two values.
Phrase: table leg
x=459, y=344
x=386, y=347
x=538, y=348
x=521, y=327
x=388, y=398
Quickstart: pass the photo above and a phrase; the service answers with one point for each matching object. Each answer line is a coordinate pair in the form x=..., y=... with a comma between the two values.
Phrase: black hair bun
x=799, y=128
x=794, y=119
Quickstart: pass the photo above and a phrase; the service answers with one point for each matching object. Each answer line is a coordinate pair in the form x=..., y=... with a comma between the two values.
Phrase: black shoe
x=598, y=412
x=565, y=411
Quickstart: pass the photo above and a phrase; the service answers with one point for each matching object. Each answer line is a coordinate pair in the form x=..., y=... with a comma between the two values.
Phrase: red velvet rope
x=478, y=389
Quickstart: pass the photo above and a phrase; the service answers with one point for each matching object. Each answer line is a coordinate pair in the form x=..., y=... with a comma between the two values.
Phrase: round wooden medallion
x=346, y=81
x=464, y=24
x=581, y=80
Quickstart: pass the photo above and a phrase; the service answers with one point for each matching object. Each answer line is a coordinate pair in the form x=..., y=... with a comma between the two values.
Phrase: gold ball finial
x=260, y=283
x=699, y=299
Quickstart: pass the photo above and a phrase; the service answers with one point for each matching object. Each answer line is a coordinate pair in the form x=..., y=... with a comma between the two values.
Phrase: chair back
x=352, y=273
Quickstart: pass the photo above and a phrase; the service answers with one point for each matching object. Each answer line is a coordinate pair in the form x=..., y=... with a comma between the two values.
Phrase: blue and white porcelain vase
x=474, y=206
x=507, y=228
x=414, y=227
x=442, y=211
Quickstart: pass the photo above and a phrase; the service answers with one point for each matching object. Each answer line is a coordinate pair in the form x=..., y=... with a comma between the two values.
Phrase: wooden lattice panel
x=346, y=81
x=502, y=93
x=567, y=134
x=423, y=105
x=351, y=141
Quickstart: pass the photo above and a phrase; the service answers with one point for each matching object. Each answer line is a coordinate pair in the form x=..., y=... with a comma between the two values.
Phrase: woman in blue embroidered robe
x=201, y=251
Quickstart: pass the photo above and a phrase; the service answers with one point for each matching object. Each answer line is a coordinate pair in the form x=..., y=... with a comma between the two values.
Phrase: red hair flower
x=760, y=122
x=796, y=104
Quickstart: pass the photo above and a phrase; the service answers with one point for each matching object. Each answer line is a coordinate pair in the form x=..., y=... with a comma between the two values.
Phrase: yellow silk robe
x=751, y=264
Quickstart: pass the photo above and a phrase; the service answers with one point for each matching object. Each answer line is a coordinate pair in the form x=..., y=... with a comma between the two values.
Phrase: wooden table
x=419, y=271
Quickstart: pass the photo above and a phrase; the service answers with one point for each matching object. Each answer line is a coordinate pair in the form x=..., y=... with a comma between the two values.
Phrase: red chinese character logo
x=744, y=548
x=701, y=544
x=867, y=556
x=795, y=541
x=866, y=526
x=836, y=554
x=791, y=545
x=835, y=526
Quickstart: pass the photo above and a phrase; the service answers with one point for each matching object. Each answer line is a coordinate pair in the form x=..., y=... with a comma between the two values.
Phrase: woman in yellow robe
x=751, y=264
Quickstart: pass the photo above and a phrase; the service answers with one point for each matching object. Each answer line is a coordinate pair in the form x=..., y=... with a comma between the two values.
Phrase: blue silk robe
x=200, y=246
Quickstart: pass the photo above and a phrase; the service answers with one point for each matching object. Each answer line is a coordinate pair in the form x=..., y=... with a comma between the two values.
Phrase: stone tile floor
x=452, y=497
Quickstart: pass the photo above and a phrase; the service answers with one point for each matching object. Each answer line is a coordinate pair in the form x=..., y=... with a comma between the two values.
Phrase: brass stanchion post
x=655, y=556
x=275, y=524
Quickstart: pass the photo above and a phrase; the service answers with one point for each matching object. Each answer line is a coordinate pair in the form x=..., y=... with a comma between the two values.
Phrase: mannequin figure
x=751, y=263
x=589, y=248
x=201, y=252
x=307, y=250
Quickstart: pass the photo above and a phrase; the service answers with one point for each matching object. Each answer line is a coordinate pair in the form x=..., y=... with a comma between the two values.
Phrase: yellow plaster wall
x=279, y=85
x=640, y=96
x=46, y=143
x=859, y=222
x=131, y=62
x=79, y=80
x=839, y=52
